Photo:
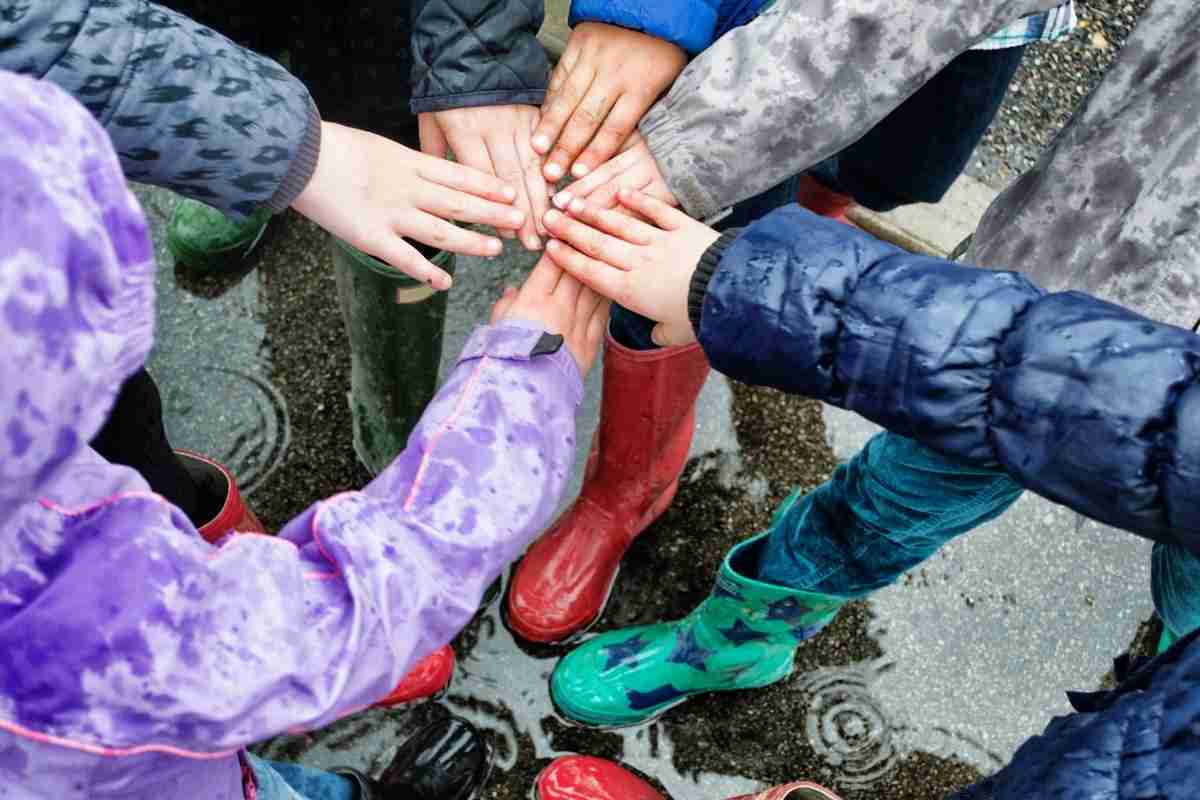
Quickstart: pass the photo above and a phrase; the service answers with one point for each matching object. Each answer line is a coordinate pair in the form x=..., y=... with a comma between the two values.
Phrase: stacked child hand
x=561, y=304
x=645, y=266
x=607, y=79
x=372, y=192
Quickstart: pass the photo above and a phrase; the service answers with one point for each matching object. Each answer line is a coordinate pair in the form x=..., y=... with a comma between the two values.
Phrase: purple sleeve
x=205, y=650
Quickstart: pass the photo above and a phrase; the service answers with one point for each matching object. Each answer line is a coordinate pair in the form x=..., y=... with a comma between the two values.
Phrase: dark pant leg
x=356, y=59
x=134, y=437
x=917, y=152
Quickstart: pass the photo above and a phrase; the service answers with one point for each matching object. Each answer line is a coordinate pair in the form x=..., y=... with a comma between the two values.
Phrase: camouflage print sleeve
x=185, y=107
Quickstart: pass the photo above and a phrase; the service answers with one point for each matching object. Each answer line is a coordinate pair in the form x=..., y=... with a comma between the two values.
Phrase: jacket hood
x=76, y=284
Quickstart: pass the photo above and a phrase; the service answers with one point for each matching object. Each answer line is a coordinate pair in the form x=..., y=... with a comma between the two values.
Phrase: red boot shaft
x=647, y=416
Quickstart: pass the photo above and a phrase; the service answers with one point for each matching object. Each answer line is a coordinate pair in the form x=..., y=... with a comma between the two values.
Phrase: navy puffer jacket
x=1081, y=401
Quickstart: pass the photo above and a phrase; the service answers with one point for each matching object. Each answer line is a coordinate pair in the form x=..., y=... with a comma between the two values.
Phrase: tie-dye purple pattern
x=137, y=658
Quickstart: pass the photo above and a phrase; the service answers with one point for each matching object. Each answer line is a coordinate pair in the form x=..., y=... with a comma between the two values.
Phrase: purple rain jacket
x=136, y=659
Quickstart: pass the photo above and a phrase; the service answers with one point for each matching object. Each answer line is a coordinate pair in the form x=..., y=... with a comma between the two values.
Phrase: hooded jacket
x=138, y=659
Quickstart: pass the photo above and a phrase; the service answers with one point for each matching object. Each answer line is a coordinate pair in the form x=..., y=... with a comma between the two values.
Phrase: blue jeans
x=279, y=781
x=895, y=503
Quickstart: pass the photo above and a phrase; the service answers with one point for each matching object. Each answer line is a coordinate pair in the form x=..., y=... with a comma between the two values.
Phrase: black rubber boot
x=447, y=760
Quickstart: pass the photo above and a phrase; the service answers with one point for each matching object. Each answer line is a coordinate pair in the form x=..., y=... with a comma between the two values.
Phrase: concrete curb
x=923, y=228
x=931, y=229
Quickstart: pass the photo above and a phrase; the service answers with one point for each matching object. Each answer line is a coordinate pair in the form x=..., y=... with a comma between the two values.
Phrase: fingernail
x=552, y=244
x=494, y=246
x=554, y=171
x=510, y=193
x=626, y=193
x=579, y=170
x=552, y=217
x=541, y=142
x=562, y=199
x=533, y=243
x=517, y=217
x=577, y=206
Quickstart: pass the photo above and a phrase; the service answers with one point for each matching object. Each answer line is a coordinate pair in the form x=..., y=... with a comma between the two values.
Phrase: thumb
x=664, y=336
x=433, y=141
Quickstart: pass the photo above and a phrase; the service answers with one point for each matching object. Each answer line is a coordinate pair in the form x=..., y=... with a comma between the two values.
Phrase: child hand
x=561, y=305
x=371, y=191
x=646, y=268
x=635, y=168
x=607, y=79
x=495, y=140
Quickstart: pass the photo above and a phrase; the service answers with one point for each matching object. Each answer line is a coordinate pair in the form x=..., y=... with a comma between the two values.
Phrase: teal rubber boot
x=1167, y=639
x=201, y=237
x=743, y=636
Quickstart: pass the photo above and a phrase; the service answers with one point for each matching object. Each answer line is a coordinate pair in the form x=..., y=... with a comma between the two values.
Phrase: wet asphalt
x=915, y=692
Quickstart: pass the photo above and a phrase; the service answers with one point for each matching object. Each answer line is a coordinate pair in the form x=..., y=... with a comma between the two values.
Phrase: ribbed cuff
x=704, y=272
x=303, y=164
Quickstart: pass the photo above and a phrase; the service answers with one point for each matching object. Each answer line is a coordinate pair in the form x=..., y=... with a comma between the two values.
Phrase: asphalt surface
x=910, y=694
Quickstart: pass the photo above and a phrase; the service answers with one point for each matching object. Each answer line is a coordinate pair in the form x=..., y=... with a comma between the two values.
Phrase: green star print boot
x=201, y=237
x=742, y=637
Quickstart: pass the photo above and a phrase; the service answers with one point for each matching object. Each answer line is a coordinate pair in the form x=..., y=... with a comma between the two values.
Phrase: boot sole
x=656, y=510
x=599, y=722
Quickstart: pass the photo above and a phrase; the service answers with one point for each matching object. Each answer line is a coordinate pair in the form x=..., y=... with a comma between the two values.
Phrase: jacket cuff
x=449, y=102
x=661, y=129
x=518, y=340
x=303, y=164
x=691, y=29
x=709, y=262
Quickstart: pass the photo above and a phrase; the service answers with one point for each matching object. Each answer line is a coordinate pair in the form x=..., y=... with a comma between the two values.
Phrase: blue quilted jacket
x=1081, y=401
x=691, y=24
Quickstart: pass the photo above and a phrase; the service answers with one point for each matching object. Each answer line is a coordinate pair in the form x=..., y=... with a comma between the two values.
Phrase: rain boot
x=202, y=237
x=743, y=636
x=814, y=196
x=647, y=416
x=217, y=482
x=588, y=778
x=431, y=675
x=394, y=324
x=447, y=760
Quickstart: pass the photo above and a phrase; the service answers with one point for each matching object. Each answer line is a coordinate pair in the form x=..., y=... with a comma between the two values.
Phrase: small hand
x=645, y=267
x=635, y=168
x=371, y=191
x=495, y=140
x=561, y=305
x=607, y=79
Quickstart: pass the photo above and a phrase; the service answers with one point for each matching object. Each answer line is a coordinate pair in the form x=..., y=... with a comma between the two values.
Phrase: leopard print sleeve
x=185, y=107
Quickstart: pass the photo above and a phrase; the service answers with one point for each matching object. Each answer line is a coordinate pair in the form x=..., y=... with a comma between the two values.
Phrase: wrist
x=304, y=164
x=710, y=260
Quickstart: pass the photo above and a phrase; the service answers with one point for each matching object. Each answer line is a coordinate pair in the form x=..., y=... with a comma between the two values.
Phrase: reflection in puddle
x=252, y=416
x=846, y=726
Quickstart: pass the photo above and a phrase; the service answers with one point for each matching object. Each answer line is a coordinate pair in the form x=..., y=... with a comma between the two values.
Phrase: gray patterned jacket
x=1112, y=208
x=185, y=107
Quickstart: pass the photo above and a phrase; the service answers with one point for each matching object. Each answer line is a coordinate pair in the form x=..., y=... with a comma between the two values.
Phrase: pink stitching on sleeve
x=445, y=428
x=112, y=752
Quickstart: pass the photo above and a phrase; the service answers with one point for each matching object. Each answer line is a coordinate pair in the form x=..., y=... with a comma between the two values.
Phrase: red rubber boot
x=588, y=778
x=427, y=678
x=647, y=415
x=816, y=198
x=214, y=479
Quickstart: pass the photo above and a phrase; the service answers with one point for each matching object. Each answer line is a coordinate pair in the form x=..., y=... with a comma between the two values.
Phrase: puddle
x=910, y=695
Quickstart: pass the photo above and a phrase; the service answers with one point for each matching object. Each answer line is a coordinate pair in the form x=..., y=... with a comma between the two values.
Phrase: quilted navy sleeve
x=1081, y=401
x=477, y=53
x=185, y=107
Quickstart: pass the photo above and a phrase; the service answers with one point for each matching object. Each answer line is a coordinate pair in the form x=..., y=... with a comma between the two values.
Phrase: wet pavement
x=911, y=694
